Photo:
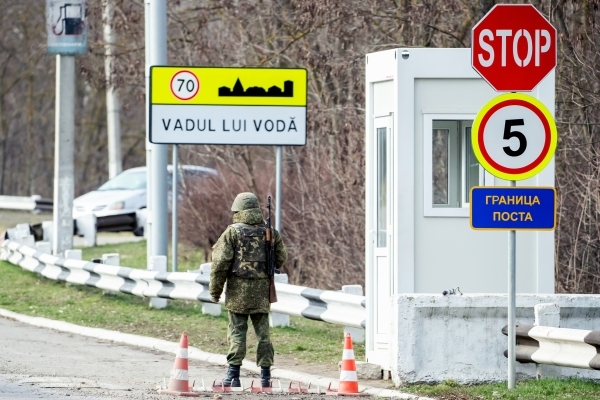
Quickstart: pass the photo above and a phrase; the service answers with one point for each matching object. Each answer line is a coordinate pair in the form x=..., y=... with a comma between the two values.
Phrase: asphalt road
x=37, y=363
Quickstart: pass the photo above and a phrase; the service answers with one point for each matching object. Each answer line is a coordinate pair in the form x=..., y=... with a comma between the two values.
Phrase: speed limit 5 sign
x=514, y=136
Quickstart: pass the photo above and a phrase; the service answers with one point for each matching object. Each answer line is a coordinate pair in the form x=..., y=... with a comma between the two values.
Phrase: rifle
x=270, y=248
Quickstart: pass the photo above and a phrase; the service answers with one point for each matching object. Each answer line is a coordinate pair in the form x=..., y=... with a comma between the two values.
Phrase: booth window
x=451, y=168
x=440, y=173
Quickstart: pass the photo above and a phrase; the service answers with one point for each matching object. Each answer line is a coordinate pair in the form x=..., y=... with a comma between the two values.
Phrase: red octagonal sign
x=513, y=47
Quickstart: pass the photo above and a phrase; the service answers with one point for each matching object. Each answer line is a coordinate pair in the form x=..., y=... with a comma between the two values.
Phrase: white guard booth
x=420, y=166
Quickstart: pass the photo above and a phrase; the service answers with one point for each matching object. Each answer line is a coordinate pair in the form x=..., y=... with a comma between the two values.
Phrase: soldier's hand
x=215, y=299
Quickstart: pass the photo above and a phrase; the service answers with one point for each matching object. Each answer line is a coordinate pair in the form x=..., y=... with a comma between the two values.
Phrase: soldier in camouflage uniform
x=239, y=258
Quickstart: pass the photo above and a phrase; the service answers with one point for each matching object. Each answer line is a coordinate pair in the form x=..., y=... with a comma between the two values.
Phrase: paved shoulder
x=74, y=359
x=36, y=361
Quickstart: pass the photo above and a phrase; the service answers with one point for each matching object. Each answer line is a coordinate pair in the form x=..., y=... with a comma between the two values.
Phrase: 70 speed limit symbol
x=185, y=85
x=514, y=136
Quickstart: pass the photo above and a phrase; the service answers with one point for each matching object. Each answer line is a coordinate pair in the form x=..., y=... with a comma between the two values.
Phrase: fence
x=321, y=305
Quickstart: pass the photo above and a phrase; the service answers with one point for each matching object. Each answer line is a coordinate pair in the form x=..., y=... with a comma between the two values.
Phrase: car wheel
x=139, y=231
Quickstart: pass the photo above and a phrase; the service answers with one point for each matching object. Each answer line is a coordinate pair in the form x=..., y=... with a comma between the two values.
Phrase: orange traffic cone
x=348, y=385
x=179, y=382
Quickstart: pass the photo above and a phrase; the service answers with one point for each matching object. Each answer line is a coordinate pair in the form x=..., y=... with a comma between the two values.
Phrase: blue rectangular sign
x=513, y=208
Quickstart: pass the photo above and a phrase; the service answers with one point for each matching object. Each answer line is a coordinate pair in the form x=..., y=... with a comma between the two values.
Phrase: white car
x=115, y=203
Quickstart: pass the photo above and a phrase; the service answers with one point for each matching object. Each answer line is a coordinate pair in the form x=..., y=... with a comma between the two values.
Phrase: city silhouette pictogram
x=256, y=91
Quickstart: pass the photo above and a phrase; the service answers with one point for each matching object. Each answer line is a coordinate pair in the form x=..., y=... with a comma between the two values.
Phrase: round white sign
x=514, y=136
x=185, y=85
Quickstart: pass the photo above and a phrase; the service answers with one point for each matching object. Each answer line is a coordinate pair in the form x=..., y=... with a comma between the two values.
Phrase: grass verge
x=133, y=255
x=546, y=389
x=305, y=342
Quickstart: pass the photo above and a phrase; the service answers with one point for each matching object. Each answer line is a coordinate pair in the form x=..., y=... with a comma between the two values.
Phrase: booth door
x=382, y=273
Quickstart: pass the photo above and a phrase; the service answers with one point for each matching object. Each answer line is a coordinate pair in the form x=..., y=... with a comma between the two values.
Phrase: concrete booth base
x=437, y=338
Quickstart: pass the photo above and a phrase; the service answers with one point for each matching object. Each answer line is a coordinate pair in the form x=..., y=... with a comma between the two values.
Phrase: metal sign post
x=64, y=187
x=174, y=195
x=512, y=303
x=113, y=105
x=278, y=156
x=67, y=36
x=158, y=155
x=148, y=226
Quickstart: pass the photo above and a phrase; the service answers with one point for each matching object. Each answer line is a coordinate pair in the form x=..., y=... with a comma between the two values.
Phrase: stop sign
x=513, y=47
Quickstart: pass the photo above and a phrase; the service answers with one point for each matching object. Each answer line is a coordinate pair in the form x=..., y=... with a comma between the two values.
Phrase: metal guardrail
x=321, y=305
x=33, y=203
x=87, y=226
x=576, y=348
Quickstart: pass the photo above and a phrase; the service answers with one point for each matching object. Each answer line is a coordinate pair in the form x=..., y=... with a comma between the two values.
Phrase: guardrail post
x=22, y=234
x=12, y=234
x=47, y=227
x=547, y=314
x=276, y=319
x=86, y=226
x=74, y=254
x=28, y=240
x=209, y=308
x=44, y=247
x=358, y=335
x=111, y=259
x=158, y=263
x=23, y=230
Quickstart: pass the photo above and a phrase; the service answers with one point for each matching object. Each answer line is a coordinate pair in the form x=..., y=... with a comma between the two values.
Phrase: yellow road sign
x=244, y=106
x=228, y=86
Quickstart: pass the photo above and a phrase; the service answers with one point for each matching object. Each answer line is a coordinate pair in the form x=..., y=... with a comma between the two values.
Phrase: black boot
x=265, y=376
x=233, y=376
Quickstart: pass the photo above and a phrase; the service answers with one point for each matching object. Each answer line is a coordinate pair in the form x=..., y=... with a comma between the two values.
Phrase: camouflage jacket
x=239, y=261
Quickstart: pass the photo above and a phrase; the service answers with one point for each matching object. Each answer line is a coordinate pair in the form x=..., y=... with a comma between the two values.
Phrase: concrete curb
x=193, y=353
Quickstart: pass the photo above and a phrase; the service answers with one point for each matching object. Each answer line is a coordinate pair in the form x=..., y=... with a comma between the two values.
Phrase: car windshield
x=126, y=181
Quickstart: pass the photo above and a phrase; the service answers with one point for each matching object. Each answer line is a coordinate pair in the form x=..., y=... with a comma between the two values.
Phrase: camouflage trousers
x=236, y=336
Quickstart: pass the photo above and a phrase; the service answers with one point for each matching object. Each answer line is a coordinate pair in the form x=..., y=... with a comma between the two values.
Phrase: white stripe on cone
x=348, y=376
x=348, y=355
x=182, y=353
x=179, y=374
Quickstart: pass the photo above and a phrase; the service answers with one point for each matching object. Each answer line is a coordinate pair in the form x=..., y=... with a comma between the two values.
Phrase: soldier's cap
x=244, y=201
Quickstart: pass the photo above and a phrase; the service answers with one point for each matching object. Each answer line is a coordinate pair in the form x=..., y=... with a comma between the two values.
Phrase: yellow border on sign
x=509, y=229
x=483, y=112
